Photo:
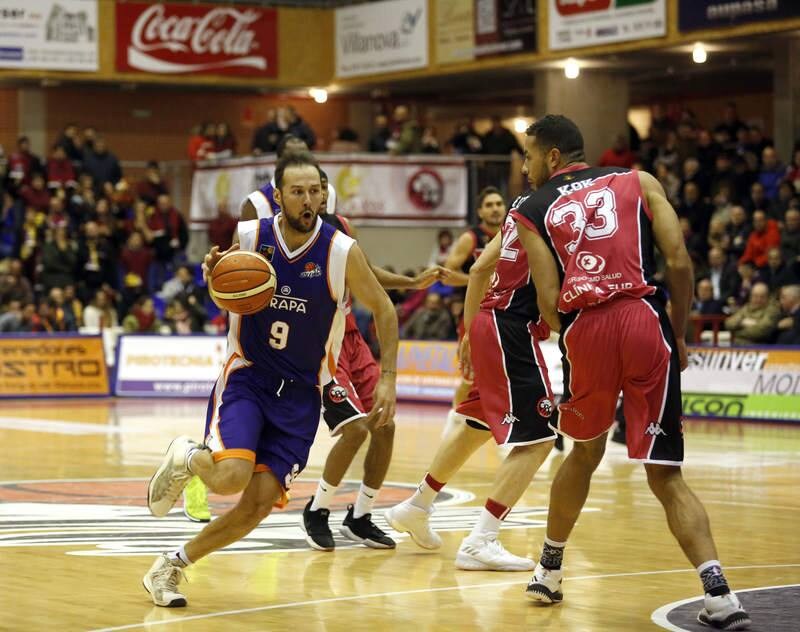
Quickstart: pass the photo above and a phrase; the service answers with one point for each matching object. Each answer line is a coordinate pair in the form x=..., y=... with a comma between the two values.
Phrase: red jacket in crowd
x=759, y=243
x=60, y=172
x=36, y=198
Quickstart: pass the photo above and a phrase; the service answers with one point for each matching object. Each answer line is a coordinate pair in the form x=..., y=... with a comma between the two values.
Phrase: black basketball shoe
x=315, y=525
x=364, y=530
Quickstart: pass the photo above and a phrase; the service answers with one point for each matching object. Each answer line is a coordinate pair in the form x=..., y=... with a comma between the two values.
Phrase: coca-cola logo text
x=570, y=7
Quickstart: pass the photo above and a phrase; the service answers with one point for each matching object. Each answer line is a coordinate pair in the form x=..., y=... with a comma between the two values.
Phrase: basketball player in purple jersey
x=590, y=235
x=264, y=410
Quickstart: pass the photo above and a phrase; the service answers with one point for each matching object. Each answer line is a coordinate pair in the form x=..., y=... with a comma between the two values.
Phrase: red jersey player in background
x=510, y=397
x=491, y=209
x=590, y=234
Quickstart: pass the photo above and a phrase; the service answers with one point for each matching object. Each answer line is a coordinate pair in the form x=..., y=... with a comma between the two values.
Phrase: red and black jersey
x=511, y=289
x=341, y=223
x=599, y=228
x=480, y=238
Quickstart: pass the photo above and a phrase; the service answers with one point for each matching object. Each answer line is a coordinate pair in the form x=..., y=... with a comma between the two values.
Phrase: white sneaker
x=162, y=580
x=408, y=518
x=170, y=478
x=545, y=585
x=724, y=613
x=481, y=553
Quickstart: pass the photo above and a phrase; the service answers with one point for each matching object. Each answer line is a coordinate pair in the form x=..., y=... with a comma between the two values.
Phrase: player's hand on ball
x=385, y=401
x=211, y=259
x=465, y=359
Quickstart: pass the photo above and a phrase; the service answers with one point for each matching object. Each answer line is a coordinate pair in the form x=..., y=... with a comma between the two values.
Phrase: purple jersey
x=299, y=335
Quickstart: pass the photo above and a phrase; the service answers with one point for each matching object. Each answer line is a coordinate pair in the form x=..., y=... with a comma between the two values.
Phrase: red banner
x=165, y=38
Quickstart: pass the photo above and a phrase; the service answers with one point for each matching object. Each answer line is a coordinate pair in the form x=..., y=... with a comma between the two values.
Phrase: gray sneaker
x=170, y=478
x=162, y=580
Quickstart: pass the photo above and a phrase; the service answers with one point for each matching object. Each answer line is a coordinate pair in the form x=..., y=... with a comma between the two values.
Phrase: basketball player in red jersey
x=590, y=234
x=510, y=396
x=465, y=252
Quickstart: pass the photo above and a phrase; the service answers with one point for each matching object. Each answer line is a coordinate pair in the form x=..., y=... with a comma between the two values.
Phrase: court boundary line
x=659, y=616
x=416, y=591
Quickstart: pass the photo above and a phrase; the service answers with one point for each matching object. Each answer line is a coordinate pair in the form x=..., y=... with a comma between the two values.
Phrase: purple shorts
x=259, y=417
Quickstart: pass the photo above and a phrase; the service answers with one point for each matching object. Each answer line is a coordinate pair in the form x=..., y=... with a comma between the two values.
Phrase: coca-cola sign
x=168, y=38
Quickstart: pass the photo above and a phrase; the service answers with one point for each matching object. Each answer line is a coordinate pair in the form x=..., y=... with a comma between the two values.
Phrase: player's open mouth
x=307, y=215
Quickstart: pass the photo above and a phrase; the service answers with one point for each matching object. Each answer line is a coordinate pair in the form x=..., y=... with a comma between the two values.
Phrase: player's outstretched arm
x=544, y=274
x=459, y=253
x=669, y=239
x=368, y=292
x=426, y=278
x=480, y=274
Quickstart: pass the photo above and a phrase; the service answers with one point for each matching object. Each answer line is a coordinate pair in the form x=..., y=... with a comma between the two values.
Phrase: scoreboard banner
x=476, y=29
x=168, y=366
x=370, y=189
x=49, y=34
x=694, y=15
x=52, y=365
x=579, y=23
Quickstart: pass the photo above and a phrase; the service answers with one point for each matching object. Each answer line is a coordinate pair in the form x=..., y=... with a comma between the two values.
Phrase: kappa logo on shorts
x=590, y=262
x=311, y=271
x=655, y=429
x=545, y=407
x=509, y=419
x=337, y=394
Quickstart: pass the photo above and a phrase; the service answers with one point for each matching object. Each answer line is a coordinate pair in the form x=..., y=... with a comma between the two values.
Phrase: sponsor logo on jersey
x=311, y=271
x=566, y=189
x=337, y=394
x=267, y=251
x=545, y=407
x=654, y=429
x=590, y=262
x=286, y=290
x=509, y=419
x=289, y=304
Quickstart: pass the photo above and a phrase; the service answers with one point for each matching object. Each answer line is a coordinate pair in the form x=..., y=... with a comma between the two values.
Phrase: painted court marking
x=659, y=616
x=314, y=602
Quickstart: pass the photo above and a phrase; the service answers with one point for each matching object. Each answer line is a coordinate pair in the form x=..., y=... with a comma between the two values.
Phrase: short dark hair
x=559, y=132
x=288, y=138
x=293, y=159
x=322, y=174
x=486, y=192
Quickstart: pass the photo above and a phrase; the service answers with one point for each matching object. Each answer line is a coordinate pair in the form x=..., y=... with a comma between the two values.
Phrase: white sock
x=179, y=558
x=488, y=526
x=424, y=496
x=324, y=495
x=365, y=500
x=189, y=458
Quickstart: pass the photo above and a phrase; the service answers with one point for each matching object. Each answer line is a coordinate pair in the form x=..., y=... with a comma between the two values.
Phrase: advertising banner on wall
x=49, y=34
x=370, y=189
x=165, y=38
x=473, y=29
x=578, y=23
x=381, y=37
x=168, y=366
x=742, y=383
x=694, y=15
x=39, y=365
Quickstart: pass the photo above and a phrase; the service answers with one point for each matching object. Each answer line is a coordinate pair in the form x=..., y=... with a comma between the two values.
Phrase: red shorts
x=350, y=395
x=624, y=345
x=511, y=393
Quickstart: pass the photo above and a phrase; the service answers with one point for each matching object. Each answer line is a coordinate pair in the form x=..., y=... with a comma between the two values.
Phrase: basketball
x=242, y=282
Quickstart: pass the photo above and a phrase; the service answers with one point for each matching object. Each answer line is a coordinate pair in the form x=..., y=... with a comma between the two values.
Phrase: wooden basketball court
x=76, y=538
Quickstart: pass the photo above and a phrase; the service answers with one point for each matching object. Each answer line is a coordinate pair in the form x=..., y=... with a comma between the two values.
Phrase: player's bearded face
x=300, y=198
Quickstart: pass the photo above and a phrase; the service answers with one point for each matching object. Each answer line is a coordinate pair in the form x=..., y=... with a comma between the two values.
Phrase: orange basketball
x=242, y=282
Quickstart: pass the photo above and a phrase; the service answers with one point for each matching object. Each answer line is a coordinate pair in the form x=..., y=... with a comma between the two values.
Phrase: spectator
x=48, y=318
x=59, y=260
x=790, y=236
x=89, y=139
x=431, y=322
x=406, y=134
x=723, y=175
x=182, y=286
x=738, y=230
x=717, y=235
x=102, y=164
x=660, y=124
x=169, y=235
x=11, y=319
x=184, y=318
x=705, y=304
x=793, y=172
x=429, y=144
x=777, y=272
x=72, y=303
x=771, y=174
x=298, y=127
x=11, y=218
x=789, y=323
x=267, y=137
x=499, y=140
x=756, y=143
x=224, y=141
x=694, y=242
x=670, y=182
x=746, y=279
x=96, y=265
x=380, y=135
x=466, y=140
x=693, y=173
x=222, y=228
x=30, y=240
x=56, y=215
x=36, y=195
x=786, y=199
x=707, y=151
x=722, y=275
x=198, y=145
x=135, y=261
x=618, y=155
x=686, y=143
x=758, y=200
x=152, y=185
x=755, y=322
x=69, y=142
x=15, y=286
x=765, y=235
x=731, y=124
x=100, y=314
x=142, y=318
x=345, y=140
x=668, y=152
x=697, y=211
x=60, y=172
x=22, y=164
x=444, y=241
x=64, y=309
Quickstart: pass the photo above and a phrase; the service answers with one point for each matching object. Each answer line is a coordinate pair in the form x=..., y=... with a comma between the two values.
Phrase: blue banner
x=694, y=15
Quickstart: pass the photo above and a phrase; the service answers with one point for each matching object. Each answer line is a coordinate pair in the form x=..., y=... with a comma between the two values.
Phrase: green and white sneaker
x=195, y=501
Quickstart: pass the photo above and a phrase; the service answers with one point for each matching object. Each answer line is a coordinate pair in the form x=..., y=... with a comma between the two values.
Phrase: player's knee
x=355, y=432
x=252, y=513
x=231, y=478
x=662, y=478
x=589, y=453
x=383, y=433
